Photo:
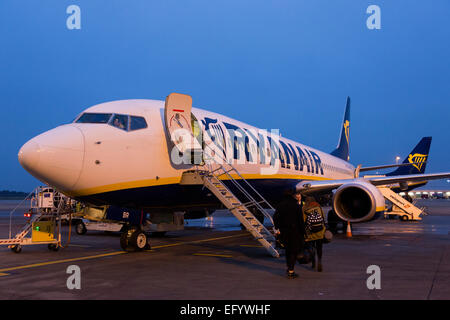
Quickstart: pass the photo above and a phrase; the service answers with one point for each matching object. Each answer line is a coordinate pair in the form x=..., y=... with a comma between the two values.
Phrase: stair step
x=239, y=209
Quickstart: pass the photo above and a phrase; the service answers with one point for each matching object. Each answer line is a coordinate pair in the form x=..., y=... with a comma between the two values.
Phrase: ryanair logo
x=417, y=160
x=347, y=130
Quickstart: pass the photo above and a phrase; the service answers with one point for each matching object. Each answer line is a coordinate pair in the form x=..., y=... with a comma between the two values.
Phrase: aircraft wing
x=328, y=185
x=390, y=166
x=379, y=181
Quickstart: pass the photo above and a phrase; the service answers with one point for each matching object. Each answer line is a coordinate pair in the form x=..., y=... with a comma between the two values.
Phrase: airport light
x=397, y=158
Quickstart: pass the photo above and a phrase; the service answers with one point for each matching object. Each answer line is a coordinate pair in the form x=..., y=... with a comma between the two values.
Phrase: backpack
x=314, y=220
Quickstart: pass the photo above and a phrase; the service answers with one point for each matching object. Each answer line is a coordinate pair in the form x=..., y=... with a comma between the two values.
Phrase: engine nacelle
x=358, y=201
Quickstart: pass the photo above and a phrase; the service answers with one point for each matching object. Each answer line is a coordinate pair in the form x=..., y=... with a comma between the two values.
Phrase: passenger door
x=178, y=121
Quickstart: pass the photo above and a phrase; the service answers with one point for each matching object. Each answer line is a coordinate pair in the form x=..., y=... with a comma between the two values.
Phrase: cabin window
x=94, y=118
x=137, y=123
x=120, y=121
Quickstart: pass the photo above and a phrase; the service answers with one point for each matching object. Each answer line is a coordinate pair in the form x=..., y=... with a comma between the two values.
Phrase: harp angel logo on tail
x=347, y=130
x=417, y=159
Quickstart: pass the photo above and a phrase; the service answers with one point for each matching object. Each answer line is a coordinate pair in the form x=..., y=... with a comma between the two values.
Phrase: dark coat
x=288, y=216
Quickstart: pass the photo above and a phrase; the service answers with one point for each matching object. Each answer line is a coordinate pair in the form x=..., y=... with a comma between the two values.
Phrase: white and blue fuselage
x=102, y=163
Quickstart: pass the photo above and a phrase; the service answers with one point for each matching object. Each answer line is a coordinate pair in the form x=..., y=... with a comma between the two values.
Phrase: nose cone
x=29, y=156
x=55, y=157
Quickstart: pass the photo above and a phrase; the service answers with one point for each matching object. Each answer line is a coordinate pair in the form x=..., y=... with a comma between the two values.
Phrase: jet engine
x=358, y=201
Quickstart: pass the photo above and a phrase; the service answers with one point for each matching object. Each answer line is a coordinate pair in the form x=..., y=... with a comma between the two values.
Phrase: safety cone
x=349, y=230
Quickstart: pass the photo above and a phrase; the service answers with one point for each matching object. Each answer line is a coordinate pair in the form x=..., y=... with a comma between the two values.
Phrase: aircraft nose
x=29, y=155
x=55, y=157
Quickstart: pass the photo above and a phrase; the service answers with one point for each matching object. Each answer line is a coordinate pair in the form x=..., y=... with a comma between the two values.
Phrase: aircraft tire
x=80, y=228
x=125, y=239
x=139, y=240
x=133, y=239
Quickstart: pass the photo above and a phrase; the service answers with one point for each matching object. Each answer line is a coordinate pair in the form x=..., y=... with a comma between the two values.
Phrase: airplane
x=133, y=154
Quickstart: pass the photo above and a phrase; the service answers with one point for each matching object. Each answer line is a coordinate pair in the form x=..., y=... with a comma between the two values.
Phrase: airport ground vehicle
x=44, y=220
x=151, y=224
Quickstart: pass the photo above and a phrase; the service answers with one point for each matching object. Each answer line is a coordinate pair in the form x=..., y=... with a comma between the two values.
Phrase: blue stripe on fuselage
x=173, y=196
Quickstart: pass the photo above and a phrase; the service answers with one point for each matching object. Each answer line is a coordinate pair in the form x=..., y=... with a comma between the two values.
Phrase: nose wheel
x=134, y=239
x=81, y=228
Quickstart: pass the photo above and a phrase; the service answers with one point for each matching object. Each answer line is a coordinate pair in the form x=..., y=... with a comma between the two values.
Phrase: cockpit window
x=94, y=118
x=137, y=123
x=120, y=121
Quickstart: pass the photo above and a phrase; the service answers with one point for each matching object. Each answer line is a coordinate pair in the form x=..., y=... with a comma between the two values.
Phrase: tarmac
x=215, y=260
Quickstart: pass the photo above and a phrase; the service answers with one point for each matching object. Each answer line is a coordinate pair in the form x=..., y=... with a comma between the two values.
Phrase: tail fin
x=418, y=157
x=343, y=149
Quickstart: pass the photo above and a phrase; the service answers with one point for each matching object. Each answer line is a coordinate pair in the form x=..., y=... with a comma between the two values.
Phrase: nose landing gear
x=134, y=239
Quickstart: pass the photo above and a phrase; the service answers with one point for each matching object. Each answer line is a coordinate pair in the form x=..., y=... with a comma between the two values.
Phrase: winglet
x=343, y=149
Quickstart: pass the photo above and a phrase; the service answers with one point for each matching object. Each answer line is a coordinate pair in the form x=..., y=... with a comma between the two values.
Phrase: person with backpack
x=288, y=220
x=315, y=228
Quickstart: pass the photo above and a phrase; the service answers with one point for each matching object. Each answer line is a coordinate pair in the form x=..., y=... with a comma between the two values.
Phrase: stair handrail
x=240, y=187
x=20, y=203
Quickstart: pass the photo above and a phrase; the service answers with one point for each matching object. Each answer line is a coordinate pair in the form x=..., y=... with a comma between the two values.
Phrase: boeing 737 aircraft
x=133, y=154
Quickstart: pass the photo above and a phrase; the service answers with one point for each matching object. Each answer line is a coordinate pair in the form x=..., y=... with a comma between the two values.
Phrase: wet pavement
x=214, y=259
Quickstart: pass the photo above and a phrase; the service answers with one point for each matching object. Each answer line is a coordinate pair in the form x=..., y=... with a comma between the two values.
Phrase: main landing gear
x=134, y=239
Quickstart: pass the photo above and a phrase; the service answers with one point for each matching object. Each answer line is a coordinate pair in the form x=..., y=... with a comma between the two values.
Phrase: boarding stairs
x=212, y=172
x=39, y=214
x=402, y=207
x=19, y=238
x=244, y=210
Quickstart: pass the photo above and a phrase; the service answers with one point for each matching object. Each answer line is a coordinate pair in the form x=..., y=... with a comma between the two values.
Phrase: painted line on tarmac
x=35, y=265
x=196, y=241
x=164, y=246
x=62, y=261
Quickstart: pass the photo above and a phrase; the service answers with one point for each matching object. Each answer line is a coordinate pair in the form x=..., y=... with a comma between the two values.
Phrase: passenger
x=288, y=220
x=314, y=222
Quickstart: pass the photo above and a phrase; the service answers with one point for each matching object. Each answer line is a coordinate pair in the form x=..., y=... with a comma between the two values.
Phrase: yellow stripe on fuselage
x=176, y=180
x=125, y=186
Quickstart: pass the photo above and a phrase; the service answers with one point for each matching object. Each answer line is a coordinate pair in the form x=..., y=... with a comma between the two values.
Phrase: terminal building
x=428, y=194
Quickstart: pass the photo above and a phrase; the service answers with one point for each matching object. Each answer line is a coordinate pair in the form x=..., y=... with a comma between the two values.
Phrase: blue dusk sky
x=273, y=64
